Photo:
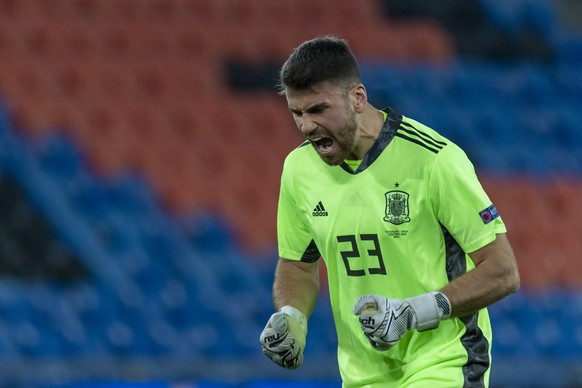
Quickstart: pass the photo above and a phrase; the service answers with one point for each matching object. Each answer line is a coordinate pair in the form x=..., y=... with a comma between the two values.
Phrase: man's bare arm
x=296, y=284
x=495, y=276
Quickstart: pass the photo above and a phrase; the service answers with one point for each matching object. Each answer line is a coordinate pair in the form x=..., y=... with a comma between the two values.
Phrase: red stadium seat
x=195, y=42
x=532, y=228
x=429, y=42
x=9, y=40
x=79, y=42
x=203, y=12
x=74, y=80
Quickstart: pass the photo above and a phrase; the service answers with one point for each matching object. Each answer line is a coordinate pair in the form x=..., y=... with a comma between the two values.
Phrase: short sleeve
x=460, y=202
x=294, y=238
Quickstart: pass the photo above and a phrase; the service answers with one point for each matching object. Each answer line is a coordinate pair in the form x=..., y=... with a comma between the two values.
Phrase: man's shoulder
x=303, y=147
x=300, y=155
x=424, y=133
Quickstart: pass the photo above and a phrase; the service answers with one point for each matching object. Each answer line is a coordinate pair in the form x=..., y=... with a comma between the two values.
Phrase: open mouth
x=323, y=144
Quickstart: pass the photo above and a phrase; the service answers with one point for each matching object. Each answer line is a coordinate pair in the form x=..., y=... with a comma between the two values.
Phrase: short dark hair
x=326, y=58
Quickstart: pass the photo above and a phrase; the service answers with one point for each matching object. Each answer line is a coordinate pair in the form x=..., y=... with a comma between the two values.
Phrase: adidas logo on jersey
x=319, y=210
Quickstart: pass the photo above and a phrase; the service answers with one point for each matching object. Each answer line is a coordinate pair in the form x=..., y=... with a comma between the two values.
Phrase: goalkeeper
x=414, y=249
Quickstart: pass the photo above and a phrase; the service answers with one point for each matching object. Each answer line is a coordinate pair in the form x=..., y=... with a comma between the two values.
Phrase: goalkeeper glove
x=384, y=321
x=283, y=338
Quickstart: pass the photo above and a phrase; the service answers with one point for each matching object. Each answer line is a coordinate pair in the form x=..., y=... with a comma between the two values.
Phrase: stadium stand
x=141, y=143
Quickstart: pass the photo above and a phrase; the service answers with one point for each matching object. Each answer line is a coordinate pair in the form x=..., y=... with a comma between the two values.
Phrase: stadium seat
x=75, y=80
x=429, y=42
x=203, y=12
x=518, y=16
x=116, y=41
x=9, y=45
x=59, y=157
x=194, y=81
x=194, y=41
x=38, y=41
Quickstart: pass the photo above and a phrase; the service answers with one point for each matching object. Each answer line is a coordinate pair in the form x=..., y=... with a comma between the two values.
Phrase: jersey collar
x=386, y=135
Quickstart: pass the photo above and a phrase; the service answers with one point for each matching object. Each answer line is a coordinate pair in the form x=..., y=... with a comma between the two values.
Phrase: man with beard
x=415, y=251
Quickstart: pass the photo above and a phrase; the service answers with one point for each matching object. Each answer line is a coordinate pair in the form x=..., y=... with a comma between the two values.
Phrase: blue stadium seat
x=121, y=338
x=568, y=49
x=291, y=384
x=519, y=16
x=506, y=321
x=535, y=87
x=7, y=346
x=540, y=16
x=57, y=156
x=129, y=194
x=568, y=315
x=88, y=199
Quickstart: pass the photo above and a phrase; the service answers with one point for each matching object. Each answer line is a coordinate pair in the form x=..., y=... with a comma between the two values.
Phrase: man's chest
x=390, y=204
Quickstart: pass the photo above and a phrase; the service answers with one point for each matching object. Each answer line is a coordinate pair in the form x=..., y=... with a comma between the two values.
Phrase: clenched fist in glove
x=283, y=339
x=384, y=321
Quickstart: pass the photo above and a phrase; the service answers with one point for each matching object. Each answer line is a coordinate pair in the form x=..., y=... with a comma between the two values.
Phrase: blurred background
x=141, y=143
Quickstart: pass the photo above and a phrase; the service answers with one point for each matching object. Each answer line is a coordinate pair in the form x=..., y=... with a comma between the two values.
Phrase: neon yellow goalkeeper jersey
x=399, y=225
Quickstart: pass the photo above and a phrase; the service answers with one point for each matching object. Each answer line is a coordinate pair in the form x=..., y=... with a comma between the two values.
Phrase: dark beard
x=345, y=139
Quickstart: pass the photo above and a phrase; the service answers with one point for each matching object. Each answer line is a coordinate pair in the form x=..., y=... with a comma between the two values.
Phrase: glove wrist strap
x=298, y=315
x=430, y=309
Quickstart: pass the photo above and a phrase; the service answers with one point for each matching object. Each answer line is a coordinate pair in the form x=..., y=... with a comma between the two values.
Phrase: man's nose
x=307, y=126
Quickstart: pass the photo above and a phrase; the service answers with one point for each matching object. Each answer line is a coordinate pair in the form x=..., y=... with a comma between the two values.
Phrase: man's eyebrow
x=313, y=108
x=317, y=107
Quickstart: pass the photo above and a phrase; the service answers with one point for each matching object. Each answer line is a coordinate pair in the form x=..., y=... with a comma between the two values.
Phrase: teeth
x=315, y=138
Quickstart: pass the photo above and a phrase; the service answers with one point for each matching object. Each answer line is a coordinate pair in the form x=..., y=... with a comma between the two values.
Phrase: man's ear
x=360, y=98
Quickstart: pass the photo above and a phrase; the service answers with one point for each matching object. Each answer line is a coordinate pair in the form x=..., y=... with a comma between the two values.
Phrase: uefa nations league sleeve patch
x=489, y=214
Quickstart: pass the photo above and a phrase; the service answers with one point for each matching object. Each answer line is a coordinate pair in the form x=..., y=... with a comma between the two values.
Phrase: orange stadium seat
x=532, y=226
x=80, y=42
x=43, y=11
x=202, y=12
x=151, y=80
x=105, y=141
x=74, y=80
x=49, y=116
x=565, y=198
x=272, y=123
x=429, y=41
x=186, y=120
x=114, y=81
x=82, y=10
x=13, y=10
x=116, y=41
x=160, y=12
x=571, y=274
x=195, y=42
x=11, y=92
x=191, y=81
x=9, y=40
x=40, y=41
x=31, y=90
x=154, y=43
x=539, y=268
x=366, y=12
x=388, y=42
x=120, y=11
x=272, y=41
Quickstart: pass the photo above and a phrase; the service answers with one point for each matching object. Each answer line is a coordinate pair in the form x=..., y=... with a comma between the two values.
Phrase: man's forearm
x=495, y=276
x=296, y=284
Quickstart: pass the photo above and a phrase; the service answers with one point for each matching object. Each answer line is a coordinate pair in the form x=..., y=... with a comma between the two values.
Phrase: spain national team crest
x=397, y=211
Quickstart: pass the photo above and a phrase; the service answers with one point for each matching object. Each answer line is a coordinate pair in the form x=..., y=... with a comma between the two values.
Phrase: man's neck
x=369, y=128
